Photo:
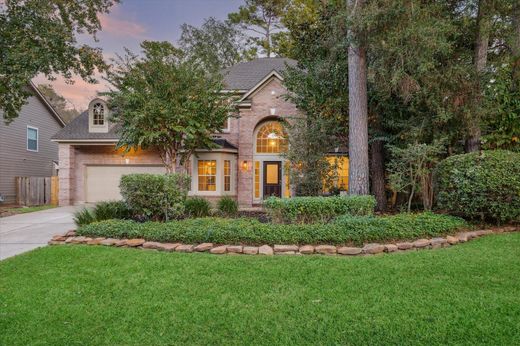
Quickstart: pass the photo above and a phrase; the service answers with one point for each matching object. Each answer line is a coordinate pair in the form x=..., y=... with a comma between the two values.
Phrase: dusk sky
x=133, y=21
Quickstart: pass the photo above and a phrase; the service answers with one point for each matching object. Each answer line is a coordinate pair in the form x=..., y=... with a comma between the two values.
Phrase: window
x=339, y=173
x=207, y=174
x=257, y=179
x=271, y=138
x=287, y=190
x=32, y=138
x=227, y=175
x=225, y=126
x=98, y=114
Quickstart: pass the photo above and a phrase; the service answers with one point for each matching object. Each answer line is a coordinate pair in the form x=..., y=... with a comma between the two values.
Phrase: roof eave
x=47, y=104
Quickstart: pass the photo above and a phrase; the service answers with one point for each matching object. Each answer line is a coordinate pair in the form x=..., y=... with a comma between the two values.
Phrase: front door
x=272, y=179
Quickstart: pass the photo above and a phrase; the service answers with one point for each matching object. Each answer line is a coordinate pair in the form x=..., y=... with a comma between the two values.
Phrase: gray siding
x=15, y=160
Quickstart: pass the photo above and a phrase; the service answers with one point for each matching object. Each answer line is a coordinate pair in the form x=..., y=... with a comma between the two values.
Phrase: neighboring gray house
x=25, y=144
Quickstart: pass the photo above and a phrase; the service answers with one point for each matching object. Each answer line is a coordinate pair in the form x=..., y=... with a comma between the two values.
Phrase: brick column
x=66, y=174
x=245, y=153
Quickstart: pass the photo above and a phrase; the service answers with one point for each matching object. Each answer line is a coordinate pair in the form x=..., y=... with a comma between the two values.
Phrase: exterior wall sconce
x=273, y=111
x=127, y=160
x=245, y=166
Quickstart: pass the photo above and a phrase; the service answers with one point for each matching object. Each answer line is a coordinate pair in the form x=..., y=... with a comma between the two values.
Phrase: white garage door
x=102, y=182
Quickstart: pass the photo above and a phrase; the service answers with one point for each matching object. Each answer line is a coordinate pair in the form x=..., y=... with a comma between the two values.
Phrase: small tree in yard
x=411, y=170
x=164, y=102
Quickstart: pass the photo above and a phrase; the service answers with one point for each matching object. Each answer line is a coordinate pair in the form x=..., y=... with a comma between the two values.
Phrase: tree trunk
x=427, y=192
x=472, y=142
x=515, y=46
x=377, y=168
x=358, y=117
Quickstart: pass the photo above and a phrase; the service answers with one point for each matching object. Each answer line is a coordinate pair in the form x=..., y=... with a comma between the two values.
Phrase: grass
x=23, y=210
x=72, y=295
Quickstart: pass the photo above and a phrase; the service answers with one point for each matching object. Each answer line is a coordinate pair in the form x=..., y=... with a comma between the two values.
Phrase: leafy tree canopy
x=165, y=102
x=215, y=45
x=40, y=37
x=66, y=111
x=262, y=18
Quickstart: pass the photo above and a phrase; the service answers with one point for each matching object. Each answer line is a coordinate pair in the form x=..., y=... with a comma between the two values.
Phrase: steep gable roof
x=77, y=129
x=47, y=104
x=246, y=75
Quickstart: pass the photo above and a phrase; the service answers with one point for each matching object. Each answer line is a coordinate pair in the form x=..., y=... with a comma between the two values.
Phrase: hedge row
x=346, y=230
x=482, y=185
x=317, y=209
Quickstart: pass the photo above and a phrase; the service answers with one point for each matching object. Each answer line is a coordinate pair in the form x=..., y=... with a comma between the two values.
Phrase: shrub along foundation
x=286, y=249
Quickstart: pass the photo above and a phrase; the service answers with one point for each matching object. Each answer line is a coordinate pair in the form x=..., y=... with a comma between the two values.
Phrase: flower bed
x=368, y=249
x=344, y=230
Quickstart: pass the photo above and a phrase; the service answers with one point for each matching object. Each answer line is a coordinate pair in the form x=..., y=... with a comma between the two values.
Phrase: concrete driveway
x=25, y=232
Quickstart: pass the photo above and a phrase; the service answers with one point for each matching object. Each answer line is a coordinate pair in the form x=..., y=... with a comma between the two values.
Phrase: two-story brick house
x=248, y=163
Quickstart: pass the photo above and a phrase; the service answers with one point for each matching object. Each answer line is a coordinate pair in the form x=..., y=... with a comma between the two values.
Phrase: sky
x=132, y=21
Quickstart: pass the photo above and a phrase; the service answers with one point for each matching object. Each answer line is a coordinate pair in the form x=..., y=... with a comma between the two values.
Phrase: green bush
x=483, y=186
x=155, y=196
x=345, y=230
x=84, y=217
x=112, y=210
x=103, y=211
x=197, y=207
x=317, y=209
x=228, y=206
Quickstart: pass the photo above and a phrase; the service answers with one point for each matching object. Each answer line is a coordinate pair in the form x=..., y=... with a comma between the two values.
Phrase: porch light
x=245, y=166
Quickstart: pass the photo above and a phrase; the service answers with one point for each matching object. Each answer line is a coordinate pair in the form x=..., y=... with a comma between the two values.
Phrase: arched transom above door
x=271, y=138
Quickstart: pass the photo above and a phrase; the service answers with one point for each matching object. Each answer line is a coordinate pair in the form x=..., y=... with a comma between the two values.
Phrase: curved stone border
x=368, y=249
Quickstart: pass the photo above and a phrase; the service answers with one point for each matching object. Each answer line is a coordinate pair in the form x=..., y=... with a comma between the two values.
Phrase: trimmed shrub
x=155, y=196
x=103, y=211
x=483, y=186
x=197, y=207
x=228, y=206
x=346, y=230
x=317, y=209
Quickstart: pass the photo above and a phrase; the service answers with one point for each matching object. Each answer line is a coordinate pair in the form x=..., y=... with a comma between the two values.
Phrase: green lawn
x=72, y=295
x=23, y=210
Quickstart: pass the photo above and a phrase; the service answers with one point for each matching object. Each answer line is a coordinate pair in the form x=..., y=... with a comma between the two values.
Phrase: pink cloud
x=110, y=24
x=79, y=94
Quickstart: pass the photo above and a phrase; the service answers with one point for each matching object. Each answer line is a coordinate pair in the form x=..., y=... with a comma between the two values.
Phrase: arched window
x=271, y=138
x=98, y=114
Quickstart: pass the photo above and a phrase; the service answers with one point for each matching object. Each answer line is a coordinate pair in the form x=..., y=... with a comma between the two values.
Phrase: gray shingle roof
x=245, y=75
x=242, y=76
x=77, y=129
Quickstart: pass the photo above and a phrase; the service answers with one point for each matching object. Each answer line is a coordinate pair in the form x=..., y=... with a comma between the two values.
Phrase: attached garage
x=102, y=182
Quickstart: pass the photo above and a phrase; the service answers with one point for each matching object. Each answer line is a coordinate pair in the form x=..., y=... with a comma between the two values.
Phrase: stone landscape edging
x=368, y=249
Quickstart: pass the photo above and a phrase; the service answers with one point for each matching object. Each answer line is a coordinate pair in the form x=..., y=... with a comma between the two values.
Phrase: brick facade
x=266, y=103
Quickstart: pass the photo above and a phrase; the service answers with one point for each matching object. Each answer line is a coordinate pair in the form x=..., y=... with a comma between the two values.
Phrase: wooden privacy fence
x=37, y=190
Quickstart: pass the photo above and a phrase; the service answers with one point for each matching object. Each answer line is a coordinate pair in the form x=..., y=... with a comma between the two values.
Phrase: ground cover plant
x=466, y=294
x=345, y=230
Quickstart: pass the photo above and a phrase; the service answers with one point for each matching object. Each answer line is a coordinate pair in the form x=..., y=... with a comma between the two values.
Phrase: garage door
x=102, y=182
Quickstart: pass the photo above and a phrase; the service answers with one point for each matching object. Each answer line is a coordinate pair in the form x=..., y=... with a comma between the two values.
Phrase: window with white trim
x=207, y=175
x=32, y=138
x=98, y=114
x=227, y=175
x=226, y=126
